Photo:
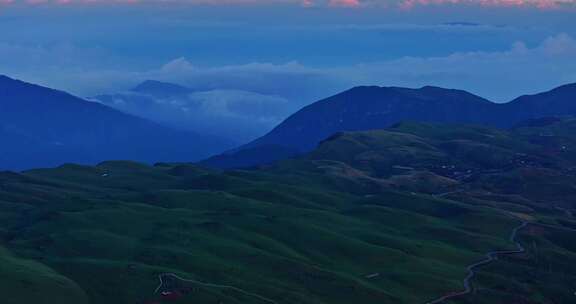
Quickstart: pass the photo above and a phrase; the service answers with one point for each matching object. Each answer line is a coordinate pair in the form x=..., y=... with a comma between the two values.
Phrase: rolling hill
x=384, y=216
x=367, y=108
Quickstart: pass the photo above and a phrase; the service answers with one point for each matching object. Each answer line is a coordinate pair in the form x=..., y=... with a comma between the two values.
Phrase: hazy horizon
x=277, y=56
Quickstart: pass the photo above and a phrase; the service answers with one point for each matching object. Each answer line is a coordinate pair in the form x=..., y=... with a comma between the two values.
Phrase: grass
x=26, y=281
x=270, y=238
x=330, y=227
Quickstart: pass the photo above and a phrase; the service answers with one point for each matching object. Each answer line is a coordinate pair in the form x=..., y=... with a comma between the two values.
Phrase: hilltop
x=372, y=107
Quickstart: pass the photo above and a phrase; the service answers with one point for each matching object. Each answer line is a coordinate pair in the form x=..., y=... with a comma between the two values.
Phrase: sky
x=280, y=55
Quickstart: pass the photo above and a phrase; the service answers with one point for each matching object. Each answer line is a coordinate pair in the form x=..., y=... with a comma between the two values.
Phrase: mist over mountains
x=238, y=116
x=42, y=127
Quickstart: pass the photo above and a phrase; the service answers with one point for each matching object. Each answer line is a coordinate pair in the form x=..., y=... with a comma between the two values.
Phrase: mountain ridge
x=56, y=127
x=160, y=88
x=375, y=107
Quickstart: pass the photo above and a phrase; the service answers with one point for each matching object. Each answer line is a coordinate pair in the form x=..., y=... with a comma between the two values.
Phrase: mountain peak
x=425, y=89
x=435, y=88
x=438, y=94
x=161, y=89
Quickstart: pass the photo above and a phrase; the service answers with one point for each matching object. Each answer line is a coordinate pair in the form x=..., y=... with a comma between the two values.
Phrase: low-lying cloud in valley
x=246, y=101
x=238, y=116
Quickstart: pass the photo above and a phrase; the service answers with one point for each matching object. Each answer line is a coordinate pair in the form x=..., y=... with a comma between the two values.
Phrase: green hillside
x=26, y=281
x=386, y=216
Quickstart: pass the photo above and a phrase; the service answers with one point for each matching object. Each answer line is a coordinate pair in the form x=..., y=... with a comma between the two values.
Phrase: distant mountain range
x=238, y=116
x=41, y=127
x=372, y=107
x=146, y=100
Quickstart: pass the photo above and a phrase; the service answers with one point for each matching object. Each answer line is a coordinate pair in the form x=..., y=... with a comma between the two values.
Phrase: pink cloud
x=402, y=4
x=545, y=4
x=344, y=3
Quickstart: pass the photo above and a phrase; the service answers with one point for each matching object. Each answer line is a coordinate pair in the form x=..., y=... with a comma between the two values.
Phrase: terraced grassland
x=370, y=217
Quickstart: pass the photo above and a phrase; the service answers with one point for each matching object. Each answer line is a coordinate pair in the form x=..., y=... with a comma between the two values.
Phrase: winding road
x=490, y=257
x=163, y=276
x=467, y=281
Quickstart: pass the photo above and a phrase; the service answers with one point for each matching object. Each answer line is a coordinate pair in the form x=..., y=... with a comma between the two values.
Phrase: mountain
x=387, y=216
x=145, y=98
x=436, y=158
x=560, y=101
x=42, y=127
x=237, y=116
x=161, y=89
x=372, y=107
x=365, y=108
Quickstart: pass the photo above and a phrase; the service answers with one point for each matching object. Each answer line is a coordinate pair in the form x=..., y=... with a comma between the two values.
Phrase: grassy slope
x=305, y=231
x=293, y=243
x=25, y=281
x=529, y=171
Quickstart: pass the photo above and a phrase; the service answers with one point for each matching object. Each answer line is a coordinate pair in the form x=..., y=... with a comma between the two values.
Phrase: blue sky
x=294, y=51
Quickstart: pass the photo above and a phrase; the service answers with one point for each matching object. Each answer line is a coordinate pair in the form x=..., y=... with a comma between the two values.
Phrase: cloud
x=500, y=75
x=345, y=3
x=401, y=4
x=236, y=115
x=446, y=28
x=522, y=67
x=239, y=102
x=497, y=75
x=543, y=4
x=290, y=79
x=246, y=100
